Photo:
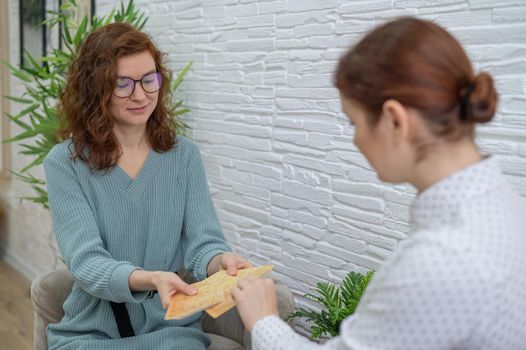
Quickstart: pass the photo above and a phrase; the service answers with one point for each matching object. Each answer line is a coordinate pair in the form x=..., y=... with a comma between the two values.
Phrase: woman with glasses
x=458, y=281
x=129, y=202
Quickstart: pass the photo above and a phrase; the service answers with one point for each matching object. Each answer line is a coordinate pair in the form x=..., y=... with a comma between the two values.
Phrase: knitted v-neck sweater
x=107, y=225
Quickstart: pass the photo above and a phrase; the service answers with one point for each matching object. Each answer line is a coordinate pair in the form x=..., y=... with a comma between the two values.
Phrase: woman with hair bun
x=458, y=280
x=129, y=202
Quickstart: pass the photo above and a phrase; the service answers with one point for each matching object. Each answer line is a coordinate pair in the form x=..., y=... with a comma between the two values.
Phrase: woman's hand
x=166, y=283
x=255, y=298
x=228, y=261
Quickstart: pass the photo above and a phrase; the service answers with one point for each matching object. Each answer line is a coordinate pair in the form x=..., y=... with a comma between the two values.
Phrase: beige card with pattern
x=213, y=294
x=183, y=305
x=229, y=282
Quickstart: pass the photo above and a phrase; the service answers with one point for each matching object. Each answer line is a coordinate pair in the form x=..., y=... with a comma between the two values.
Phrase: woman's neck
x=442, y=161
x=131, y=138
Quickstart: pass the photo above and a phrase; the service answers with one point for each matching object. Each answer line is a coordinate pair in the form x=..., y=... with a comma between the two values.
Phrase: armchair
x=50, y=290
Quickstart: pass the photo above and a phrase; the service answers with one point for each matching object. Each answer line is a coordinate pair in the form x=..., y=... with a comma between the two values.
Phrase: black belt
x=122, y=317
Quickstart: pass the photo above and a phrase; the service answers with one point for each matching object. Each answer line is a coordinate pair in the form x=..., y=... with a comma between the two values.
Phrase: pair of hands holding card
x=232, y=280
x=169, y=284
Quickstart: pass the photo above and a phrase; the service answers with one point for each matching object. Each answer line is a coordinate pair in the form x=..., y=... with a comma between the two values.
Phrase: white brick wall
x=289, y=186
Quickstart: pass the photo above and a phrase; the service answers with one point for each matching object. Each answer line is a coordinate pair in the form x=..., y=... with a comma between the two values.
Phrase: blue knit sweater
x=108, y=225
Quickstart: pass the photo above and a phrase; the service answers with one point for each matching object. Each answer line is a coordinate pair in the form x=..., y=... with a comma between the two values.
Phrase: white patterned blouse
x=457, y=281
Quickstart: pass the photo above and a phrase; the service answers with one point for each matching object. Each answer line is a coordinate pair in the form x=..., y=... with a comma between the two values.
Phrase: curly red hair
x=84, y=103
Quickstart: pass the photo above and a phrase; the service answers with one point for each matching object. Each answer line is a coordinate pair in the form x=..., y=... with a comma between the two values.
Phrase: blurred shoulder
x=184, y=149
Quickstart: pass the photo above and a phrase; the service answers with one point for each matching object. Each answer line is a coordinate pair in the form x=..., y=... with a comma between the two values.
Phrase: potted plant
x=338, y=302
x=45, y=79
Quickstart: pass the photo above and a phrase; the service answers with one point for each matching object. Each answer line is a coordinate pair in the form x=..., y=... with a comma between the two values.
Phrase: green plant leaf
x=66, y=33
x=19, y=73
x=26, y=111
x=180, y=76
x=139, y=21
x=181, y=112
x=338, y=303
x=110, y=17
x=39, y=160
x=81, y=31
x=18, y=122
x=21, y=100
x=37, y=67
x=28, y=178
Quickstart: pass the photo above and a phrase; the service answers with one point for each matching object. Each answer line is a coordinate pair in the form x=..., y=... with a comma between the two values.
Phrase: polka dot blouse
x=458, y=281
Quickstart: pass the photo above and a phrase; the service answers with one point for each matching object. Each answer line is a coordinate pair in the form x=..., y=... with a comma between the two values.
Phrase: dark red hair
x=421, y=65
x=84, y=104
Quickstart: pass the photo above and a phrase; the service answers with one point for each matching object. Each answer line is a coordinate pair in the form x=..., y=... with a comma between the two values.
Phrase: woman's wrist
x=141, y=280
x=214, y=265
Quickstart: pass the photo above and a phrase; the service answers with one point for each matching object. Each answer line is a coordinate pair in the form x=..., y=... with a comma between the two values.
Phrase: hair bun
x=482, y=99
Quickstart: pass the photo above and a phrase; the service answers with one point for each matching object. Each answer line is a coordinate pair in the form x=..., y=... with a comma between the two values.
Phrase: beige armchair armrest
x=48, y=292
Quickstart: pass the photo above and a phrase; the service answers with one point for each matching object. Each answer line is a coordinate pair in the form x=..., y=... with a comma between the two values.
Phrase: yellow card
x=213, y=294
x=183, y=305
x=231, y=281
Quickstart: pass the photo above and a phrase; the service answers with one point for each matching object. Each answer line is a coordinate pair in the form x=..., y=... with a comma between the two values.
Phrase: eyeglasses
x=125, y=86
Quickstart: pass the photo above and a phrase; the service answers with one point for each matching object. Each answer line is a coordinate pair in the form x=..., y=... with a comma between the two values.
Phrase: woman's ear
x=397, y=120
